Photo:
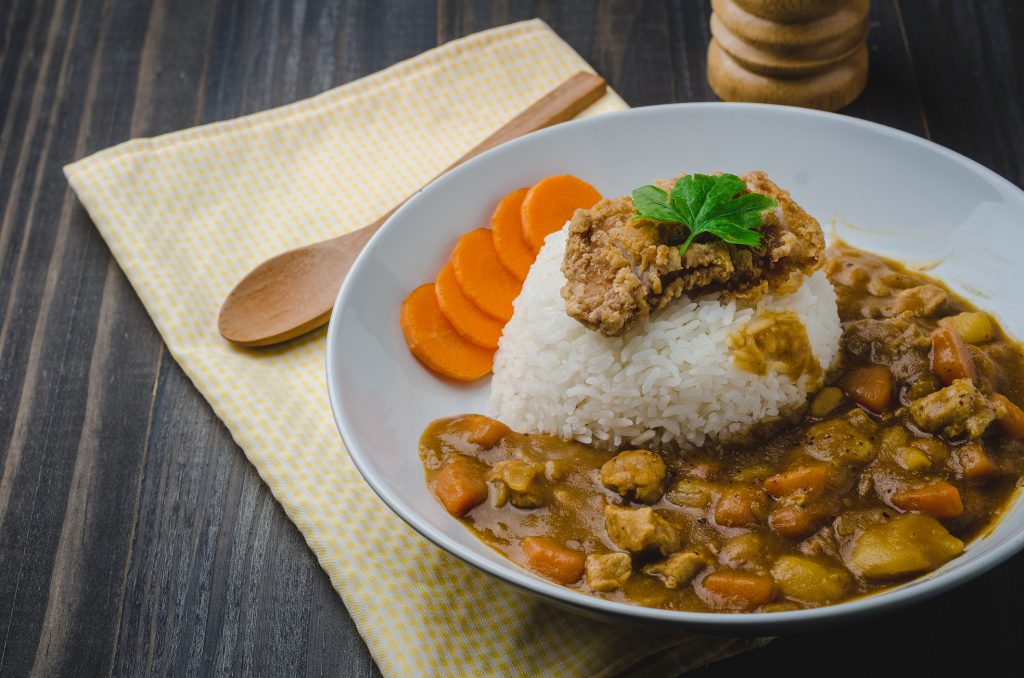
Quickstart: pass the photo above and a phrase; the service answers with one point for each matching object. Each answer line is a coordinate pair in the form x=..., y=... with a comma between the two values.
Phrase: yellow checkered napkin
x=187, y=214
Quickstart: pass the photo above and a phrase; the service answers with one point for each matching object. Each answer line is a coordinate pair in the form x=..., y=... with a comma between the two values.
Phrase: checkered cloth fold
x=187, y=214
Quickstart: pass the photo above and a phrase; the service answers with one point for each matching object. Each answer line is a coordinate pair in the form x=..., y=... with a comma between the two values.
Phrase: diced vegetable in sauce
x=1009, y=415
x=974, y=463
x=552, y=560
x=692, y=493
x=911, y=459
x=740, y=506
x=460, y=486
x=519, y=482
x=825, y=401
x=794, y=521
x=812, y=479
x=809, y=580
x=939, y=499
x=950, y=358
x=731, y=590
x=870, y=386
x=975, y=327
x=904, y=545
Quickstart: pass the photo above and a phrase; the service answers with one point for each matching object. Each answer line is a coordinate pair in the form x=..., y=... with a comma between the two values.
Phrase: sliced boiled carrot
x=460, y=486
x=870, y=386
x=973, y=463
x=950, y=357
x=507, y=224
x=812, y=479
x=731, y=589
x=551, y=559
x=467, y=319
x=551, y=202
x=482, y=277
x=434, y=341
x=939, y=499
x=1009, y=415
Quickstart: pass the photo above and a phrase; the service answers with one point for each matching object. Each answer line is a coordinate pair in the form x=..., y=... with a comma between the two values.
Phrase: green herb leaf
x=707, y=204
x=654, y=203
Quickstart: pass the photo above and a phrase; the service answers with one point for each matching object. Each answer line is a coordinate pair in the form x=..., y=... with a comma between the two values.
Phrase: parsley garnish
x=706, y=204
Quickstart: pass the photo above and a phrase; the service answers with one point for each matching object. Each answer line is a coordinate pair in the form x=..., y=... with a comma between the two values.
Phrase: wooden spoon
x=293, y=293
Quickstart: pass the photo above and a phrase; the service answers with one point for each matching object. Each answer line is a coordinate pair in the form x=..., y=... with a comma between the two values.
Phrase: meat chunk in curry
x=519, y=482
x=636, y=473
x=619, y=270
x=897, y=343
x=678, y=569
x=958, y=409
x=639, y=530
x=608, y=571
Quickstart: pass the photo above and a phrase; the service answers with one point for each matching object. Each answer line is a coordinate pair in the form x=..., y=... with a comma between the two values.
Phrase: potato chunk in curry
x=809, y=580
x=837, y=441
x=904, y=545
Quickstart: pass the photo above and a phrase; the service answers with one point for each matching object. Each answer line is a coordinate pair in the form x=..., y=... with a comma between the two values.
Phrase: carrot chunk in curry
x=552, y=560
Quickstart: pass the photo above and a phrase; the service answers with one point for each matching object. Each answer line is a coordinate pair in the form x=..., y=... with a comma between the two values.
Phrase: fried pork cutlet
x=618, y=270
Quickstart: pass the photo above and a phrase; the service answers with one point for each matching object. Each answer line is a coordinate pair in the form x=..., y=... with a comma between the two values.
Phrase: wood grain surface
x=134, y=536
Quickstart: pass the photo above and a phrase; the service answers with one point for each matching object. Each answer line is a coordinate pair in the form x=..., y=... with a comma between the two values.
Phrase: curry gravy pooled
x=913, y=449
x=776, y=341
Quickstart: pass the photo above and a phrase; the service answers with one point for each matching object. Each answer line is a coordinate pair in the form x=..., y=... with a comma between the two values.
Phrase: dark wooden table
x=135, y=538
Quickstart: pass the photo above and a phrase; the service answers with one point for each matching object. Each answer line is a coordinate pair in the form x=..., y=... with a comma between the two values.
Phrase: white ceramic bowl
x=884, y=190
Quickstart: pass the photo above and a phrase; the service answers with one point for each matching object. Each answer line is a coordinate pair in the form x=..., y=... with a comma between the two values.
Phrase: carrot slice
x=1009, y=415
x=551, y=202
x=482, y=277
x=730, y=589
x=950, y=359
x=939, y=499
x=811, y=479
x=507, y=223
x=870, y=386
x=468, y=320
x=483, y=431
x=550, y=559
x=794, y=521
x=434, y=341
x=973, y=463
x=740, y=506
x=459, y=487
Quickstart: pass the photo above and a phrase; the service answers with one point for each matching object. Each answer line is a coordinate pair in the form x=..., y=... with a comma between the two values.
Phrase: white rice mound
x=670, y=382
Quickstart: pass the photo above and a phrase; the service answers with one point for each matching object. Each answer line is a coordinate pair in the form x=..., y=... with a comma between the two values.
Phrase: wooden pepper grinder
x=809, y=53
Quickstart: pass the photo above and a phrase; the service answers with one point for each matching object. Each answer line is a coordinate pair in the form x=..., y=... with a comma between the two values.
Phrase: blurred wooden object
x=809, y=53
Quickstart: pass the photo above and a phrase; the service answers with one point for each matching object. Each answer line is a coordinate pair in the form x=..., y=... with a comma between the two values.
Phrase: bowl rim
x=509, y=572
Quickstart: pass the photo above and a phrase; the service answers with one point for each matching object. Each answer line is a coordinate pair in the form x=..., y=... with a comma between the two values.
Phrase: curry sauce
x=911, y=448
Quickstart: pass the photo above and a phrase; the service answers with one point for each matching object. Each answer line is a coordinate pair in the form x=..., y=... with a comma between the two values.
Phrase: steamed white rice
x=670, y=381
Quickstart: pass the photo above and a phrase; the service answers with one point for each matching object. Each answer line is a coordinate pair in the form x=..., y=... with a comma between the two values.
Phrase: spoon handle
x=293, y=293
x=563, y=103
